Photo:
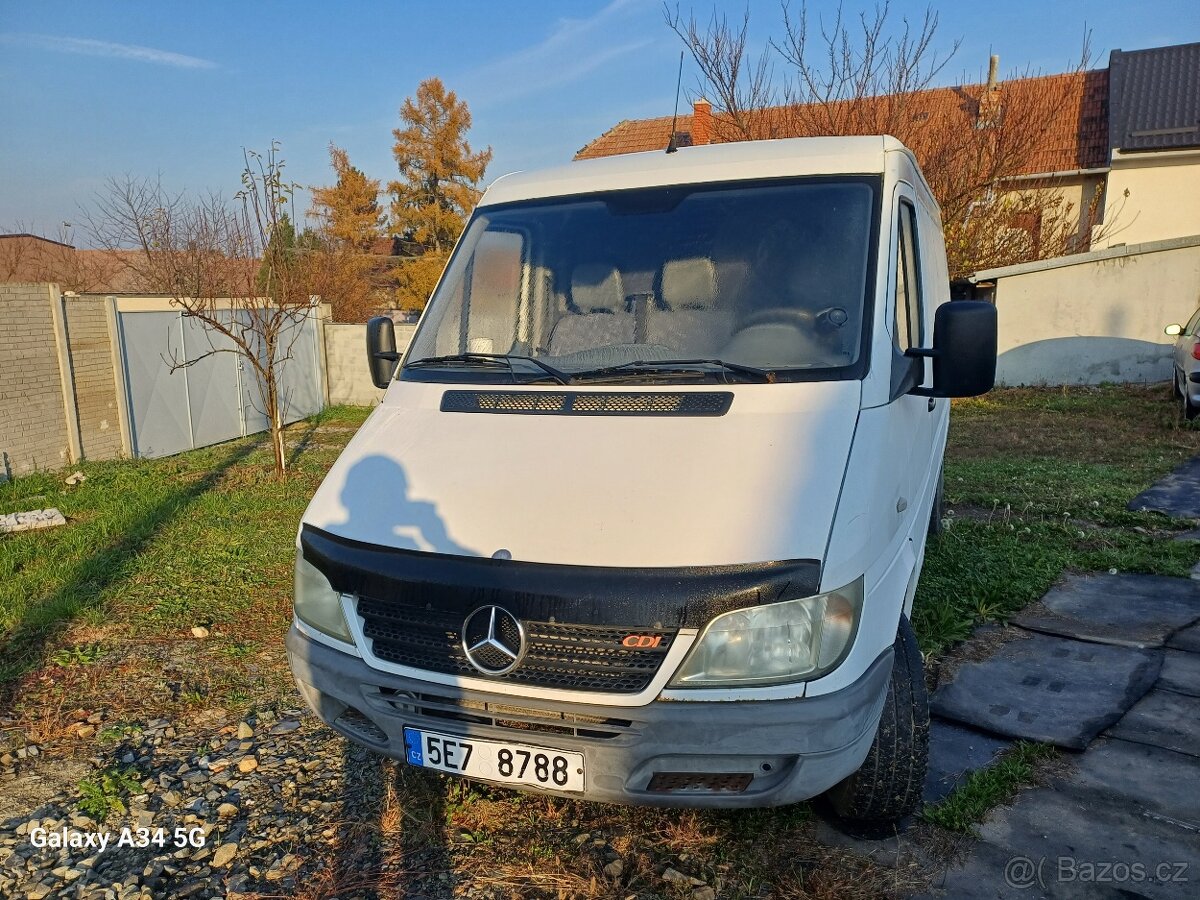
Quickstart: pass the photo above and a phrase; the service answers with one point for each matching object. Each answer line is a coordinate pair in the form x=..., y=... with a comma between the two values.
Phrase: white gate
x=216, y=397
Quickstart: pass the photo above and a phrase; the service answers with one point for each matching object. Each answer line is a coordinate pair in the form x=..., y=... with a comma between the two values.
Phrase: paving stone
x=1049, y=689
x=1127, y=610
x=1177, y=495
x=1072, y=832
x=1191, y=535
x=955, y=751
x=1075, y=847
x=1146, y=777
x=981, y=876
x=27, y=521
x=1164, y=719
x=1180, y=672
x=1186, y=639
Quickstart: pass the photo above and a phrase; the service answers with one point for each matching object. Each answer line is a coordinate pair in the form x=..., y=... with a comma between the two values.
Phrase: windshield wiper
x=668, y=367
x=488, y=359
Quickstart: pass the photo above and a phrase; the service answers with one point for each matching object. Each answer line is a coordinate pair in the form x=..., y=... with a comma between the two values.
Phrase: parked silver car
x=1186, y=373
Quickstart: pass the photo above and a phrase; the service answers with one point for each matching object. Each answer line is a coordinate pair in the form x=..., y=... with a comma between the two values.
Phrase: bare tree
x=869, y=75
x=234, y=267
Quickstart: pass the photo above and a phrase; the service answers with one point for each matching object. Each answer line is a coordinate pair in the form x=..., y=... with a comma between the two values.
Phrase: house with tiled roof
x=1128, y=134
x=1076, y=140
x=1154, y=142
x=29, y=258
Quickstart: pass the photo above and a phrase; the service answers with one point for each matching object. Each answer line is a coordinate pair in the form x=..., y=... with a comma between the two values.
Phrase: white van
x=641, y=514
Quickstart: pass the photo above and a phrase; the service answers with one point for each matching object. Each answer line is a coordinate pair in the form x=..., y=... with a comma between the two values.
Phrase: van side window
x=908, y=330
x=496, y=287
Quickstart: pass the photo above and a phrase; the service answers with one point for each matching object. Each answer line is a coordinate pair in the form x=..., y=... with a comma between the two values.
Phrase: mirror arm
x=922, y=353
x=389, y=355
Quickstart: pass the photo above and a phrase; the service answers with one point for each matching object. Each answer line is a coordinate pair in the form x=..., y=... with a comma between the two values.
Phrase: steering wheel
x=786, y=315
x=827, y=319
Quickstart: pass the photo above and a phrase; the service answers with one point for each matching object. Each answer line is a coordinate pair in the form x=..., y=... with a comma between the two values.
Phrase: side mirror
x=964, y=350
x=1173, y=330
x=381, y=350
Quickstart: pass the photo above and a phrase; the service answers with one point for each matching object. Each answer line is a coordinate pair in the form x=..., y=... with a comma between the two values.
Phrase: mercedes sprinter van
x=641, y=514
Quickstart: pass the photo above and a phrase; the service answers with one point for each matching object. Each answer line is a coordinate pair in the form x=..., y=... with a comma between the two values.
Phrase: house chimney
x=701, y=122
x=993, y=71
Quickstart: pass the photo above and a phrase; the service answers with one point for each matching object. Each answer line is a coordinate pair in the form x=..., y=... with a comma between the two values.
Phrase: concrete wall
x=97, y=406
x=1163, y=196
x=1095, y=317
x=346, y=363
x=33, y=413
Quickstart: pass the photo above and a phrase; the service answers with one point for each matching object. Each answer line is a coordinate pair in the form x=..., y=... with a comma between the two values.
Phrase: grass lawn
x=99, y=614
x=154, y=548
x=1037, y=481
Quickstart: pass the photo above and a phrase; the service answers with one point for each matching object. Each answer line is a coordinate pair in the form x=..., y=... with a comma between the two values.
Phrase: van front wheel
x=888, y=786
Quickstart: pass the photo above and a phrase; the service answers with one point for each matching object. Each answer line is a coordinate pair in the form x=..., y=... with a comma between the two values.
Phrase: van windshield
x=764, y=281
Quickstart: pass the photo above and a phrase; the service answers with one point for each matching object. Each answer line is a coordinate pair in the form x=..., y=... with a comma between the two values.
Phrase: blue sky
x=97, y=89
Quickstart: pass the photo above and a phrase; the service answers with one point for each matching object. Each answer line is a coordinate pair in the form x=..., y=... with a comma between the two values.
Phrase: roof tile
x=1075, y=138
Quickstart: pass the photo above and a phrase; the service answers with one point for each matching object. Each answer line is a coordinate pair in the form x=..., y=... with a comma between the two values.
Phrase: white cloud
x=90, y=47
x=573, y=48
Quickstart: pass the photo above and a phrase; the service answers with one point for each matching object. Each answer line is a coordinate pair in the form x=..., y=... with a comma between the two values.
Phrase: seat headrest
x=689, y=283
x=596, y=287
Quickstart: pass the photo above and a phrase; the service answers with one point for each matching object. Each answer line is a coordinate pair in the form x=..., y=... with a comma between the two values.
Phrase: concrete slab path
x=1177, y=495
x=1125, y=821
x=1125, y=610
x=1051, y=689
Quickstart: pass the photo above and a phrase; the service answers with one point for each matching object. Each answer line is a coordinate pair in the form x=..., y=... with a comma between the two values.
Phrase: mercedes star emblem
x=493, y=640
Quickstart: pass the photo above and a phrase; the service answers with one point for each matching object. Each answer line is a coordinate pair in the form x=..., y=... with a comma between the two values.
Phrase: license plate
x=497, y=761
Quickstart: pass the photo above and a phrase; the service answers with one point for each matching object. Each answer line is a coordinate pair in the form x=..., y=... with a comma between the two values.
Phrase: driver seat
x=597, y=317
x=688, y=319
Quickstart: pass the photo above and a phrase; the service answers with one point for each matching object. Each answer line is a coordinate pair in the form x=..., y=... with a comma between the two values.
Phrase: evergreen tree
x=349, y=209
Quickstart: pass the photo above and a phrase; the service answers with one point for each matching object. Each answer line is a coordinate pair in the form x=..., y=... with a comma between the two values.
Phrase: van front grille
x=355, y=721
x=699, y=782
x=590, y=403
x=565, y=656
x=500, y=715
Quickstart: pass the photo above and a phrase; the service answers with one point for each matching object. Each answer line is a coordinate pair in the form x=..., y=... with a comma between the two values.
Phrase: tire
x=1189, y=411
x=1175, y=391
x=938, y=511
x=888, y=786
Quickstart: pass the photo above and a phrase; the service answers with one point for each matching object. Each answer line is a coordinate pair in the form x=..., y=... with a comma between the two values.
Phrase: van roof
x=696, y=165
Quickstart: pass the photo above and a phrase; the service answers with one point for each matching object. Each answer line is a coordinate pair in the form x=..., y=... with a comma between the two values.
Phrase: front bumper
x=793, y=749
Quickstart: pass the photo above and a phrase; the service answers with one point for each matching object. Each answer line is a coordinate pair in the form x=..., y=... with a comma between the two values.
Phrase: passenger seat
x=598, y=317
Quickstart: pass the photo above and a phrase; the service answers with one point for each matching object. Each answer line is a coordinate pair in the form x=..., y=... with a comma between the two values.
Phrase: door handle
x=932, y=404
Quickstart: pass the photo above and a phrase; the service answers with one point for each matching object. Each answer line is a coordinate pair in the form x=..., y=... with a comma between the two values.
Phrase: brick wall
x=33, y=428
x=95, y=386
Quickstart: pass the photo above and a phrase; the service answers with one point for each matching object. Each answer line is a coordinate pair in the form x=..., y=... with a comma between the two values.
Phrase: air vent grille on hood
x=591, y=403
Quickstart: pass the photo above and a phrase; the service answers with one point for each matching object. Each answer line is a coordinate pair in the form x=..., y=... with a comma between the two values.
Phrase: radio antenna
x=672, y=144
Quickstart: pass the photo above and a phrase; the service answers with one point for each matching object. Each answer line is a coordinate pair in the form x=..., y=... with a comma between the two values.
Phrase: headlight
x=317, y=604
x=793, y=640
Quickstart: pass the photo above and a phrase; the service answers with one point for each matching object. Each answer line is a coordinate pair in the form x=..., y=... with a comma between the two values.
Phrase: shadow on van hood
x=759, y=483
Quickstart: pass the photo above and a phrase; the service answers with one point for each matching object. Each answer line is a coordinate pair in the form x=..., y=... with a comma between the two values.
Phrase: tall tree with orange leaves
x=348, y=210
x=355, y=282
x=438, y=184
